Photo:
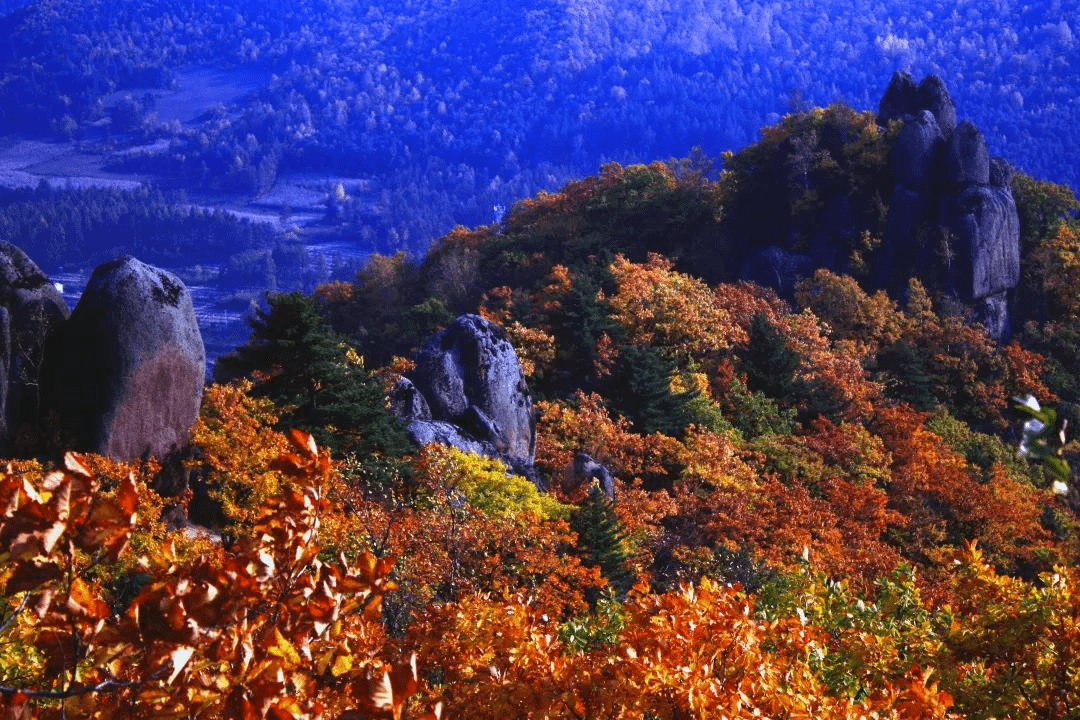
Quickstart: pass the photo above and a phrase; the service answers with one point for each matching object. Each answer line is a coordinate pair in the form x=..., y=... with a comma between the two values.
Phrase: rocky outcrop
x=31, y=312
x=932, y=95
x=917, y=150
x=967, y=161
x=900, y=99
x=903, y=100
x=131, y=363
x=468, y=390
x=587, y=470
x=952, y=218
x=471, y=376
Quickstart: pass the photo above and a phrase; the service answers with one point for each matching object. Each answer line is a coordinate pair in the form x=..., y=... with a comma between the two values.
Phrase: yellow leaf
x=284, y=649
x=342, y=665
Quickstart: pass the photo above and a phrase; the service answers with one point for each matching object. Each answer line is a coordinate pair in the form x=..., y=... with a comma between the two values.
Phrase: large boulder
x=132, y=363
x=967, y=161
x=31, y=312
x=917, y=150
x=587, y=470
x=471, y=377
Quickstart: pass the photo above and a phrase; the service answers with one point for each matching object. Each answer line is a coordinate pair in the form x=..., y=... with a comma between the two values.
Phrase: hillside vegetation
x=433, y=113
x=819, y=509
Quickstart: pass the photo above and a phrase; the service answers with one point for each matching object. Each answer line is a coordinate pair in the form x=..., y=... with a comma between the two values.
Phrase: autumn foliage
x=818, y=511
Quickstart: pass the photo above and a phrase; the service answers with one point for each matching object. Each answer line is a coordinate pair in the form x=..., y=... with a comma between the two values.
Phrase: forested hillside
x=827, y=505
x=431, y=114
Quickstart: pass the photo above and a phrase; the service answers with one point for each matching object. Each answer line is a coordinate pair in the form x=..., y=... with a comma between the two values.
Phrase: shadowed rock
x=470, y=376
x=407, y=403
x=899, y=98
x=967, y=160
x=909, y=211
x=993, y=313
x=587, y=470
x=31, y=312
x=775, y=267
x=932, y=95
x=1001, y=172
x=917, y=150
x=132, y=362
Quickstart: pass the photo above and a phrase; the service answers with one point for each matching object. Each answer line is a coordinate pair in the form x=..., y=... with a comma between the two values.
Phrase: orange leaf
x=83, y=603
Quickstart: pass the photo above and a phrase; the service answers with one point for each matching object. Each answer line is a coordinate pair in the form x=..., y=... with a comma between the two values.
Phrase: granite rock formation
x=131, y=363
x=32, y=310
x=468, y=390
x=903, y=99
x=952, y=217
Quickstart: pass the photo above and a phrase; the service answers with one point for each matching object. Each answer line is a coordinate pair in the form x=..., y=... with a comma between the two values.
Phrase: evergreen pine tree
x=602, y=540
x=640, y=390
x=309, y=372
x=913, y=383
x=769, y=363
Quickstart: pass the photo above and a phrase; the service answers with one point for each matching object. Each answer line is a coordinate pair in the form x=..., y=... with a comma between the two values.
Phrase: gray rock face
x=407, y=403
x=932, y=95
x=917, y=150
x=967, y=161
x=984, y=223
x=587, y=470
x=471, y=377
x=32, y=310
x=132, y=362
x=948, y=188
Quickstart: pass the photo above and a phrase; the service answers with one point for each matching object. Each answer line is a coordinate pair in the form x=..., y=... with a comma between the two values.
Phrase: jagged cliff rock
x=917, y=151
x=967, y=161
x=469, y=391
x=952, y=216
x=904, y=99
x=31, y=312
x=131, y=362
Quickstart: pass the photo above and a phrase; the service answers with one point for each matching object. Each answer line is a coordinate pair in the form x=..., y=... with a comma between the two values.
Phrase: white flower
x=1060, y=488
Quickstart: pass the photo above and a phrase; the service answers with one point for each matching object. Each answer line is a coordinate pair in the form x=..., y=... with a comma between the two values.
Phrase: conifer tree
x=319, y=383
x=908, y=366
x=769, y=363
x=640, y=390
x=602, y=540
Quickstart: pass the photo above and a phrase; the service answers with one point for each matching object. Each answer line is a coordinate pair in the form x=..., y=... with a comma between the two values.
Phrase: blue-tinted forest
x=445, y=111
